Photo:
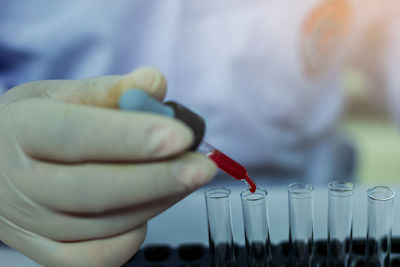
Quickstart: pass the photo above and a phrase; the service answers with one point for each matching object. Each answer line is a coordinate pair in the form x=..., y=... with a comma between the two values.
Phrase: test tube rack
x=198, y=255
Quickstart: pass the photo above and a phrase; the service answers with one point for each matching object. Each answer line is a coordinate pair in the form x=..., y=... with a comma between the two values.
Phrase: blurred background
x=375, y=135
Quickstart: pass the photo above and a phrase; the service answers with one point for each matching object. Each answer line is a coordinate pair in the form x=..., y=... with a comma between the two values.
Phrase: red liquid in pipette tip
x=232, y=168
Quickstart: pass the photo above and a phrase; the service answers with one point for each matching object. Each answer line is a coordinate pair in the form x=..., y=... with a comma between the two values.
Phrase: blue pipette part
x=138, y=100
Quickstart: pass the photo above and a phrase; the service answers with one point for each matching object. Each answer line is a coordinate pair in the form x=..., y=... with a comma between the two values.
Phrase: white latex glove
x=79, y=180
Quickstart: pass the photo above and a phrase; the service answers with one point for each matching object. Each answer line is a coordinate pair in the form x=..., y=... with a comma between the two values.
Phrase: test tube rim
x=208, y=192
x=301, y=194
x=372, y=190
x=257, y=192
x=340, y=190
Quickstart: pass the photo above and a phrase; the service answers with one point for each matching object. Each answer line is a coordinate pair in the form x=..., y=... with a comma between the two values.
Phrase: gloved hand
x=79, y=179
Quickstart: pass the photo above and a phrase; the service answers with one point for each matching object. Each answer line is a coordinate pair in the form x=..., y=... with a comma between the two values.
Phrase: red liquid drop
x=232, y=168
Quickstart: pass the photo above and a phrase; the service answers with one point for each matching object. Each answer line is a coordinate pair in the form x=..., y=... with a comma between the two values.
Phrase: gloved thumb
x=101, y=91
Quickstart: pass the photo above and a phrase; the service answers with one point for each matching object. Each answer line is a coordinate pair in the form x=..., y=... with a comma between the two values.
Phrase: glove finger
x=97, y=188
x=101, y=91
x=112, y=251
x=73, y=227
x=66, y=132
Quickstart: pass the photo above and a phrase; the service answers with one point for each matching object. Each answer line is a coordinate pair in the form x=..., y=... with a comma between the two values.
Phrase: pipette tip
x=252, y=185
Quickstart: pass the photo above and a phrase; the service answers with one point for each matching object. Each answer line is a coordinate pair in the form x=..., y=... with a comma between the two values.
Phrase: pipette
x=138, y=100
x=227, y=164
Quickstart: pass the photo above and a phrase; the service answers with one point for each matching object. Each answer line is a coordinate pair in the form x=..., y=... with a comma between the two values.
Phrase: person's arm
x=80, y=179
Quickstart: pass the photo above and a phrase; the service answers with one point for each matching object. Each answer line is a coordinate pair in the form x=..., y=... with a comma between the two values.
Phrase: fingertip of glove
x=150, y=80
x=170, y=139
x=195, y=170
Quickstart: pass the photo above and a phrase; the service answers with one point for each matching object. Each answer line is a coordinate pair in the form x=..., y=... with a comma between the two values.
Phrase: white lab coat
x=238, y=63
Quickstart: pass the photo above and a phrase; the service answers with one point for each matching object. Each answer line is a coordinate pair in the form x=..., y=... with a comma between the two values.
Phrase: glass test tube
x=340, y=223
x=256, y=227
x=301, y=224
x=379, y=228
x=218, y=204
